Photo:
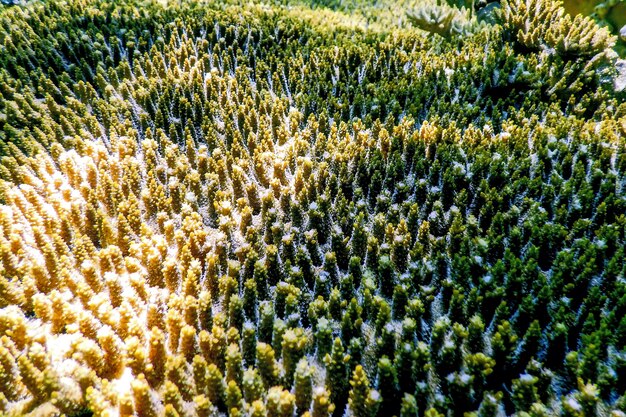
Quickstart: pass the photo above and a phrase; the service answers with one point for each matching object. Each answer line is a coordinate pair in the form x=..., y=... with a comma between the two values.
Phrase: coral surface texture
x=311, y=208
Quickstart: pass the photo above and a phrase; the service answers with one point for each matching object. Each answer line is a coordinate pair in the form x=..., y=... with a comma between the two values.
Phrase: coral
x=444, y=20
x=538, y=22
x=234, y=208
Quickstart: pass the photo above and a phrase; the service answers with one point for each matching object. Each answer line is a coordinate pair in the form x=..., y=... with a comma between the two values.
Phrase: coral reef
x=444, y=20
x=230, y=208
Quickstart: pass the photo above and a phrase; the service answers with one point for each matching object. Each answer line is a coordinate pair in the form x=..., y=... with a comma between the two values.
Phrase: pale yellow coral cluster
x=117, y=280
x=538, y=23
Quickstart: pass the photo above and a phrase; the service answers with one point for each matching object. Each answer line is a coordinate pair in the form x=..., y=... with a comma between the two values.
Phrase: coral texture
x=230, y=208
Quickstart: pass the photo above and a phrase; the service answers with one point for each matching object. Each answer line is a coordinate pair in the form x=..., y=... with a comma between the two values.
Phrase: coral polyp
x=231, y=208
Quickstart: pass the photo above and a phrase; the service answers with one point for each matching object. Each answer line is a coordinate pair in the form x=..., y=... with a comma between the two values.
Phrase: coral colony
x=225, y=208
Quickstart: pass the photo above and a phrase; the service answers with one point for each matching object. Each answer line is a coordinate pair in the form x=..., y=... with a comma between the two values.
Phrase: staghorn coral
x=450, y=20
x=538, y=23
x=231, y=209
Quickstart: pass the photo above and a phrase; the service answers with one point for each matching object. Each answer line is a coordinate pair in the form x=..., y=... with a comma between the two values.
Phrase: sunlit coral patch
x=232, y=209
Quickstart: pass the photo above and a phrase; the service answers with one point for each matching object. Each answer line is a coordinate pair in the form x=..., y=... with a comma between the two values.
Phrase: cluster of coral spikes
x=222, y=209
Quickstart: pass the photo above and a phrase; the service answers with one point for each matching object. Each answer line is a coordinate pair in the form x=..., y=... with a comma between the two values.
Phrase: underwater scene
x=312, y=208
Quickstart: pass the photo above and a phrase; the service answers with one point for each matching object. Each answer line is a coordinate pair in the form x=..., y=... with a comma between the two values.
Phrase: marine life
x=265, y=209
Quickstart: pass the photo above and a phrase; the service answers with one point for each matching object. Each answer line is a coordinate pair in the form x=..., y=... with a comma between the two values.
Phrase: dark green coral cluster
x=222, y=208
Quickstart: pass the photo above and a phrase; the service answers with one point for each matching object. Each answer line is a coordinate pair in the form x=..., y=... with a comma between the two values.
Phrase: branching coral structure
x=229, y=208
